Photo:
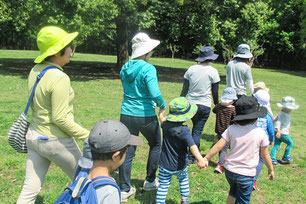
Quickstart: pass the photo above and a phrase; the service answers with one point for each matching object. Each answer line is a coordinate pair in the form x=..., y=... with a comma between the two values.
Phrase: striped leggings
x=165, y=180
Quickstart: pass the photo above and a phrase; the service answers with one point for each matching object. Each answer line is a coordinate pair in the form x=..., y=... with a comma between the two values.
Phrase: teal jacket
x=140, y=87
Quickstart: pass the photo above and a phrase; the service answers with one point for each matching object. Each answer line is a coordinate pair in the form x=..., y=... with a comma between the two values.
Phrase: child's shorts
x=241, y=187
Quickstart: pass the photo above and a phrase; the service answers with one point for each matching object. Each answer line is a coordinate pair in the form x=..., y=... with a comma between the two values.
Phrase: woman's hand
x=162, y=115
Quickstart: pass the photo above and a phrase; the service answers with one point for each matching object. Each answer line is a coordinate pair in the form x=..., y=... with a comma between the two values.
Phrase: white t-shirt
x=108, y=194
x=245, y=142
x=238, y=74
x=200, y=78
x=282, y=122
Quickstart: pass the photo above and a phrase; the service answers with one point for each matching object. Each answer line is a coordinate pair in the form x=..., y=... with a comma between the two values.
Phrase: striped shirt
x=224, y=115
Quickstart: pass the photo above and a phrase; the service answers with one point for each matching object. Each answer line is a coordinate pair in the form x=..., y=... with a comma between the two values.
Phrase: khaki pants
x=65, y=153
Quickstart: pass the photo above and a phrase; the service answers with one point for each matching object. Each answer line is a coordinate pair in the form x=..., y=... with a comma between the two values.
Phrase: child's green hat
x=181, y=110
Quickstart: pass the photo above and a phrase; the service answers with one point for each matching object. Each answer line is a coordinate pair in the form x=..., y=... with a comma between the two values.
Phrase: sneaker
x=219, y=169
x=185, y=201
x=126, y=195
x=287, y=160
x=255, y=188
x=147, y=186
x=275, y=162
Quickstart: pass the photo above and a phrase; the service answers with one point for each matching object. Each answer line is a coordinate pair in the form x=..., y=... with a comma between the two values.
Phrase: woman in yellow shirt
x=50, y=137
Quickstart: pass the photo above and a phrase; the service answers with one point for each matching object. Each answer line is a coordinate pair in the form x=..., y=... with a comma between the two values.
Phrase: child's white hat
x=263, y=98
x=288, y=102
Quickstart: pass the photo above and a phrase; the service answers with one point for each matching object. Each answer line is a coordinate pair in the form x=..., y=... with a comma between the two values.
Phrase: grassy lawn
x=98, y=96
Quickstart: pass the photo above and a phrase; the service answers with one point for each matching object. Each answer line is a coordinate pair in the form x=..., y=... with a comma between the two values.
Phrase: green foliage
x=276, y=30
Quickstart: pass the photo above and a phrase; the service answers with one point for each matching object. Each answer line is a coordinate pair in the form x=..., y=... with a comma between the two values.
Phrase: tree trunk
x=122, y=42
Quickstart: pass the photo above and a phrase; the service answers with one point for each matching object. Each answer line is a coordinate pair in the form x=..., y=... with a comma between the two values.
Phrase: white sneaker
x=126, y=195
x=147, y=186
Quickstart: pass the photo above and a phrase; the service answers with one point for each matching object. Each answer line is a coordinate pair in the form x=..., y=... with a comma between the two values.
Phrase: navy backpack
x=83, y=190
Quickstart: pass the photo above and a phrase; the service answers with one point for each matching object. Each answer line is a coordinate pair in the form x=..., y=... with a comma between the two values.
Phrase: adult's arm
x=249, y=81
x=62, y=115
x=185, y=88
x=215, y=90
x=152, y=84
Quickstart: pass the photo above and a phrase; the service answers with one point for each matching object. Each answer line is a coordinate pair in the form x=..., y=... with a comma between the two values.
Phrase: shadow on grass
x=39, y=200
x=85, y=71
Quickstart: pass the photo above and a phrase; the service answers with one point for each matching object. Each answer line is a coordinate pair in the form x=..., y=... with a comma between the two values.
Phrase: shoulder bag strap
x=35, y=85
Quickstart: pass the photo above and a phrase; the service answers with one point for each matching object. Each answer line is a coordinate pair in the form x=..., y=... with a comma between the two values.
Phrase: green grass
x=98, y=96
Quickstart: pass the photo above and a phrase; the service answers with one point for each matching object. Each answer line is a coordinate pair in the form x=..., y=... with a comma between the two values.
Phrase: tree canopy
x=275, y=30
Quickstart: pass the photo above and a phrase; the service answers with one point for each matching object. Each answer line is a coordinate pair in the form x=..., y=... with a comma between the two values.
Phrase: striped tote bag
x=18, y=131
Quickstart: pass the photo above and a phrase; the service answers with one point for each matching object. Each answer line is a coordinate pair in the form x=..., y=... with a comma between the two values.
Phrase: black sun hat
x=248, y=108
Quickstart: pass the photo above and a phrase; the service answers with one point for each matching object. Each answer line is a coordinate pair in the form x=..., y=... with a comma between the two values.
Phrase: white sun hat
x=263, y=98
x=288, y=102
x=244, y=51
x=142, y=44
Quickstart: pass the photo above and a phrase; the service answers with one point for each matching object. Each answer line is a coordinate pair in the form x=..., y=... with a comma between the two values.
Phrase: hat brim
x=289, y=107
x=135, y=141
x=184, y=117
x=258, y=114
x=211, y=57
x=56, y=48
x=245, y=56
x=228, y=100
x=145, y=48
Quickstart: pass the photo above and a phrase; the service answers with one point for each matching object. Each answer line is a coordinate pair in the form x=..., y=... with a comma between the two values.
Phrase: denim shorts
x=241, y=187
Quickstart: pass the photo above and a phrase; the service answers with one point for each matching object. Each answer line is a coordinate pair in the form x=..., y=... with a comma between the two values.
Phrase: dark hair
x=208, y=60
x=245, y=60
x=108, y=155
x=245, y=122
x=62, y=52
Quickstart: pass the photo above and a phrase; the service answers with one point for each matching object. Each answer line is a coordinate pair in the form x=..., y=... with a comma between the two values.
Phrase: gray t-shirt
x=108, y=195
x=238, y=75
x=200, y=78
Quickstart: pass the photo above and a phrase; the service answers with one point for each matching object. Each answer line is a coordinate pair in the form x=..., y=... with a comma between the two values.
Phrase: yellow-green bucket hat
x=51, y=40
x=181, y=110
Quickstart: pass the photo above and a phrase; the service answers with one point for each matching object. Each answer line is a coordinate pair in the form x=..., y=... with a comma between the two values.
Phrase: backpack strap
x=105, y=180
x=79, y=187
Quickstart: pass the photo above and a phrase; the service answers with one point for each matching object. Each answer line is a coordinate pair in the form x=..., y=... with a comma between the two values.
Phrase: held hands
x=203, y=163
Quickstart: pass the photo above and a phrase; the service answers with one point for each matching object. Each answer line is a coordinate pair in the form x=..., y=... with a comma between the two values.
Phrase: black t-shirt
x=176, y=140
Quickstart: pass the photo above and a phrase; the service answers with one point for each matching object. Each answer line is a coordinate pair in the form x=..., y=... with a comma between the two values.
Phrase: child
x=246, y=141
x=225, y=112
x=174, y=156
x=261, y=86
x=282, y=125
x=238, y=71
x=108, y=141
x=265, y=123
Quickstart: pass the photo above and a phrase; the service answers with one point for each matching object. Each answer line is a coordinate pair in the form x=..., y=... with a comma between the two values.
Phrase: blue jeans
x=241, y=187
x=165, y=181
x=286, y=139
x=199, y=121
x=149, y=127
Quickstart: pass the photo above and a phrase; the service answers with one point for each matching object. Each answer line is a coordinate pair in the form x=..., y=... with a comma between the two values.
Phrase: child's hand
x=278, y=135
x=271, y=175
